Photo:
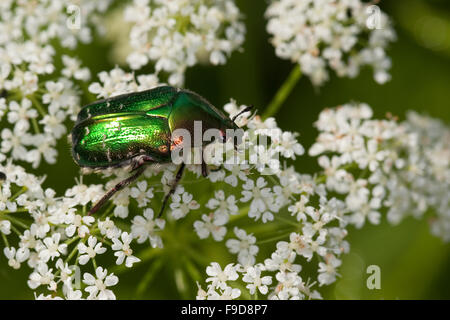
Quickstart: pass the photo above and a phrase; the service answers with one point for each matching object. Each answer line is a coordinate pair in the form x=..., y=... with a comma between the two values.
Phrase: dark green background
x=414, y=264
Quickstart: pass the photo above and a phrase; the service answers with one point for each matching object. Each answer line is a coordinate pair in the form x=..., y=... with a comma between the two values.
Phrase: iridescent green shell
x=115, y=131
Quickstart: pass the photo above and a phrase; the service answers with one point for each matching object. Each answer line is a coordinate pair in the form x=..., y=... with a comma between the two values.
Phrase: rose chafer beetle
x=136, y=129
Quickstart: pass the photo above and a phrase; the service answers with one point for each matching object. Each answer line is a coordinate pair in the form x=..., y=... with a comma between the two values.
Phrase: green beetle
x=136, y=129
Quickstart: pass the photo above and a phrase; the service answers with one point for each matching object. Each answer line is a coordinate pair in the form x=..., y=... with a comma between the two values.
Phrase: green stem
x=14, y=229
x=149, y=276
x=282, y=236
x=72, y=253
x=192, y=269
x=38, y=105
x=107, y=211
x=17, y=222
x=181, y=282
x=5, y=240
x=72, y=240
x=295, y=224
x=18, y=193
x=283, y=92
x=196, y=256
x=17, y=211
x=35, y=126
x=243, y=212
x=102, y=239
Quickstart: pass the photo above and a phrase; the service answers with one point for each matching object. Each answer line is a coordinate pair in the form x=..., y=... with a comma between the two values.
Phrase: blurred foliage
x=414, y=264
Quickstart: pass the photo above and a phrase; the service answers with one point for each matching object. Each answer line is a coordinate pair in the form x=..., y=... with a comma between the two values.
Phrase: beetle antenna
x=243, y=111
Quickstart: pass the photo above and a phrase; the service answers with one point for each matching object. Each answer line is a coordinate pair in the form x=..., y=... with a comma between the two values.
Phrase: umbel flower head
x=339, y=35
x=370, y=166
x=405, y=165
x=36, y=97
x=179, y=34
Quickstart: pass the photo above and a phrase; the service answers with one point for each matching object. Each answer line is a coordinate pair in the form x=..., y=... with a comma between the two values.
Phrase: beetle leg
x=204, y=169
x=172, y=188
x=216, y=169
x=139, y=161
x=122, y=184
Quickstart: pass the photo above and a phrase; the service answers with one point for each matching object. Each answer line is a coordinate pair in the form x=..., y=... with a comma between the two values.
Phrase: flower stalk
x=283, y=92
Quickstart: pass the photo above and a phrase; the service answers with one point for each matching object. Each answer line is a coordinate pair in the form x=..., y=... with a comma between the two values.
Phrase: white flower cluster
x=343, y=35
x=219, y=289
x=117, y=81
x=318, y=222
x=320, y=236
x=58, y=236
x=45, y=20
x=36, y=98
x=178, y=34
x=373, y=167
x=403, y=167
x=427, y=174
